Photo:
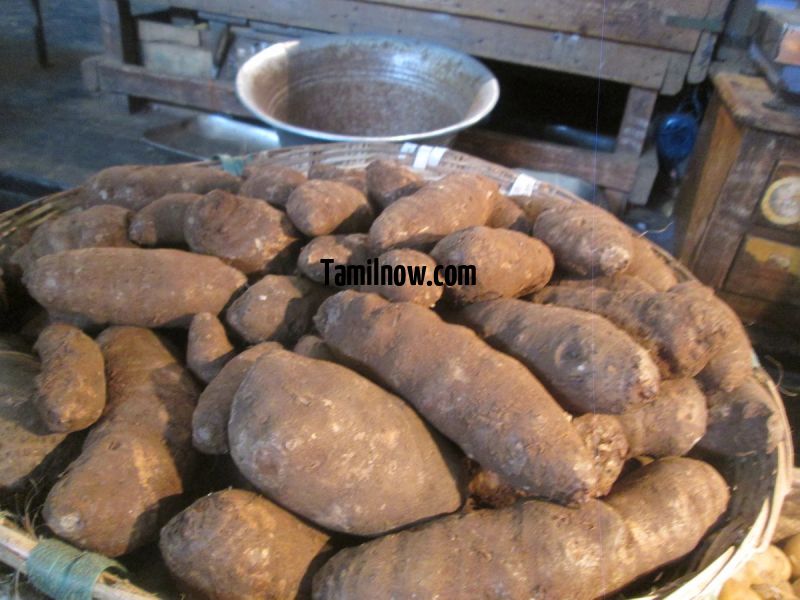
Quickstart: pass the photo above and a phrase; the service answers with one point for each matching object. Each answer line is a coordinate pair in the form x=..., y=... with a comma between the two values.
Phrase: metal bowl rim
x=332, y=39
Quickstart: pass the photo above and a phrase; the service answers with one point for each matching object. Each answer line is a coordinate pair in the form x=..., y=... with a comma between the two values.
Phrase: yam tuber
x=531, y=549
x=438, y=209
x=207, y=347
x=341, y=249
x=320, y=207
x=486, y=402
x=389, y=180
x=160, y=223
x=130, y=286
x=427, y=294
x=337, y=449
x=585, y=361
x=271, y=183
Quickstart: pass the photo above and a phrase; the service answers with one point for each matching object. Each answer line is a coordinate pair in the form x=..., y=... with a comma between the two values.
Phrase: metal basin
x=365, y=89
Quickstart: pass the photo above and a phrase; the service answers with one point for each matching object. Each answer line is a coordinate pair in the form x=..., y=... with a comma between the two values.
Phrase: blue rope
x=65, y=573
x=232, y=164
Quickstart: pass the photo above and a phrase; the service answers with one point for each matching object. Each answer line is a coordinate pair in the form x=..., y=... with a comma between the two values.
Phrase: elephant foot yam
x=671, y=424
x=583, y=359
x=234, y=544
x=210, y=418
x=273, y=184
x=335, y=448
x=506, y=263
x=135, y=186
x=320, y=207
x=97, y=227
x=350, y=249
x=208, y=347
x=585, y=240
x=131, y=286
x=276, y=308
x=388, y=180
x=438, y=209
x=160, y=223
x=71, y=388
x=485, y=401
x=425, y=292
x=248, y=234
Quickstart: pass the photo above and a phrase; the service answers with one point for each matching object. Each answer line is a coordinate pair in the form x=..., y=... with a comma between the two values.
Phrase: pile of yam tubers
x=522, y=437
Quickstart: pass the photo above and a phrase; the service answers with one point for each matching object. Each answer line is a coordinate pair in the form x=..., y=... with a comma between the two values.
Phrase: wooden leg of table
x=636, y=120
x=120, y=39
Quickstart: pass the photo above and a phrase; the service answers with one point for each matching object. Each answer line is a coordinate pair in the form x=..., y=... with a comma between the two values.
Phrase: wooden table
x=653, y=46
x=730, y=234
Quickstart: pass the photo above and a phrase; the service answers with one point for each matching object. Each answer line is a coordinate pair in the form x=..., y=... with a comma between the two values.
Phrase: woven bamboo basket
x=758, y=483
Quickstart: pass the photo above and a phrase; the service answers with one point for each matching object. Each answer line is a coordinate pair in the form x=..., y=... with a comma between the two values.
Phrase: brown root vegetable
x=341, y=249
x=535, y=203
x=135, y=186
x=649, y=266
x=615, y=283
x=313, y=346
x=356, y=178
x=271, y=183
x=388, y=180
x=160, y=223
x=148, y=389
x=71, y=389
x=486, y=402
x=586, y=362
x=423, y=293
x=508, y=215
x=505, y=263
x=207, y=348
x=530, y=550
x=488, y=489
x=586, y=240
x=319, y=207
x=438, y=209
x=99, y=226
x=742, y=422
x=671, y=424
x=246, y=233
x=605, y=438
x=337, y=449
x=681, y=330
x=30, y=455
x=130, y=476
x=236, y=545
x=210, y=418
x=731, y=365
x=130, y=286
x=277, y=308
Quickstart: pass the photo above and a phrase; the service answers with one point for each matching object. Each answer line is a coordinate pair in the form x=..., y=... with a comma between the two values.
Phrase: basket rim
x=706, y=582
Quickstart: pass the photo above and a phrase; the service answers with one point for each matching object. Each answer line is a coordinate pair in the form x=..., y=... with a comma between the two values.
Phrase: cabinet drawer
x=766, y=269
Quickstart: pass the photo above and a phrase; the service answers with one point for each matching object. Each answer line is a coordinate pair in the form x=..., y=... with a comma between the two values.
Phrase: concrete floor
x=52, y=131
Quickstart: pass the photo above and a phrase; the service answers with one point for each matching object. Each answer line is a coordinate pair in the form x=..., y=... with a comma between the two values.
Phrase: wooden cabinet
x=652, y=46
x=739, y=209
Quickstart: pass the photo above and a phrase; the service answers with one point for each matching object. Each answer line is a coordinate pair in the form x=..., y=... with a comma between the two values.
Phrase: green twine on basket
x=65, y=573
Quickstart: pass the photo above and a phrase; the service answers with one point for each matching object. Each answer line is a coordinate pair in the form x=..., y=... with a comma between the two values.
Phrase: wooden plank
x=641, y=22
x=675, y=77
x=766, y=269
x=714, y=155
x=784, y=317
x=118, y=30
x=636, y=120
x=704, y=53
x=733, y=210
x=570, y=53
x=753, y=103
x=603, y=169
x=207, y=94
